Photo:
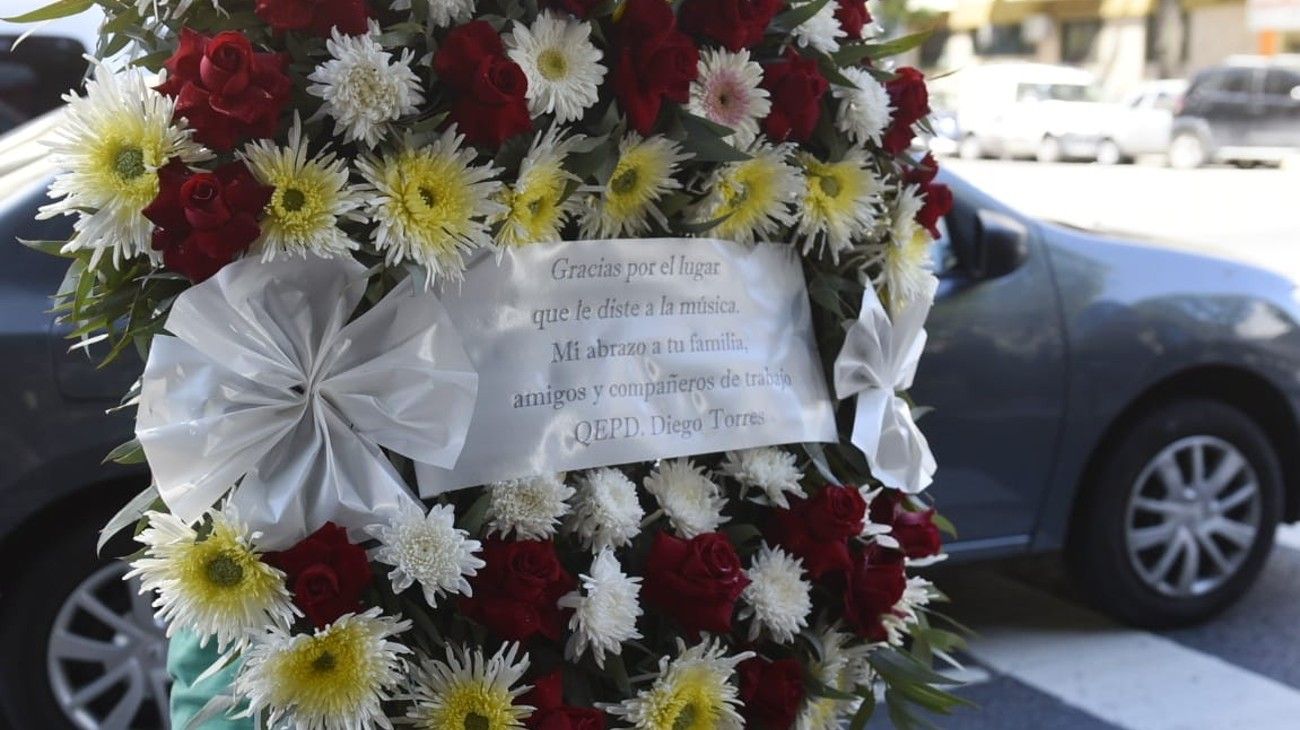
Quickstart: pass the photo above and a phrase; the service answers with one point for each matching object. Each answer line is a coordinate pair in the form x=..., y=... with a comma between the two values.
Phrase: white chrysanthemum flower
x=336, y=678
x=312, y=197
x=531, y=507
x=429, y=204
x=471, y=691
x=692, y=501
x=899, y=620
x=625, y=205
x=562, y=65
x=695, y=690
x=772, y=470
x=840, y=664
x=822, y=31
x=864, y=109
x=727, y=92
x=427, y=549
x=777, y=598
x=443, y=13
x=364, y=87
x=606, y=616
x=214, y=584
x=538, y=205
x=606, y=511
x=752, y=197
x=110, y=144
x=905, y=256
x=839, y=202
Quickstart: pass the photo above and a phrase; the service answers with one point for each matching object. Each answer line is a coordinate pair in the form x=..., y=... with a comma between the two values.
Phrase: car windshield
x=1055, y=92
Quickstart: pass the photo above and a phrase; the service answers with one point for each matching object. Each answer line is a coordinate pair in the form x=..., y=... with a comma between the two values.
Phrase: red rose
x=315, y=17
x=580, y=8
x=911, y=102
x=938, y=197
x=653, y=61
x=489, y=103
x=854, y=15
x=515, y=594
x=695, y=581
x=735, y=24
x=874, y=587
x=224, y=89
x=203, y=220
x=771, y=692
x=796, y=87
x=549, y=711
x=818, y=530
x=917, y=535
x=327, y=574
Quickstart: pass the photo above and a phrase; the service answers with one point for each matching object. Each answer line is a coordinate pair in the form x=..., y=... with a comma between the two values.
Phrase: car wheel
x=1049, y=150
x=94, y=656
x=1187, y=151
x=970, y=148
x=1180, y=516
x=1109, y=153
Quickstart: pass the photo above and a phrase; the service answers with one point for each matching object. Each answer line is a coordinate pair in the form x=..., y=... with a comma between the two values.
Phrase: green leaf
x=865, y=710
x=127, y=516
x=705, y=144
x=476, y=515
x=52, y=248
x=850, y=54
x=59, y=9
x=791, y=19
x=130, y=452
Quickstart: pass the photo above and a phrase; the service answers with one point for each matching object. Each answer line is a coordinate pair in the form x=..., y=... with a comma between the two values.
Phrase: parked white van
x=1019, y=109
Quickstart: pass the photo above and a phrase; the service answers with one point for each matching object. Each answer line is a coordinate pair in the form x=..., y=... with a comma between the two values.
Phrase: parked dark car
x=1246, y=112
x=1130, y=404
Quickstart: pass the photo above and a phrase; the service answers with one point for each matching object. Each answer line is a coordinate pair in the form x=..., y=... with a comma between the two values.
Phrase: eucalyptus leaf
x=127, y=516
x=55, y=10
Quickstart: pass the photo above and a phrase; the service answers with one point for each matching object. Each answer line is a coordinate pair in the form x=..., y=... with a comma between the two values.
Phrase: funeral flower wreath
x=269, y=198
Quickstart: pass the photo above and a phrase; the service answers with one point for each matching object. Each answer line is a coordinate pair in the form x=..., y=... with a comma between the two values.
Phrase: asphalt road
x=1041, y=659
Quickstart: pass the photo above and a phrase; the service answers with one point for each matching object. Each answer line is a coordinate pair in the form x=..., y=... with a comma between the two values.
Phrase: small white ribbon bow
x=878, y=361
x=266, y=380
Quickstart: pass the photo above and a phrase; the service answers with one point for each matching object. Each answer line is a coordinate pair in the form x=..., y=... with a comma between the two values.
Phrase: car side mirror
x=1000, y=246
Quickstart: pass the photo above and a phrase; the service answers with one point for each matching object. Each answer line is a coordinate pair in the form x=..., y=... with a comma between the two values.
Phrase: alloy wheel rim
x=1193, y=515
x=106, y=655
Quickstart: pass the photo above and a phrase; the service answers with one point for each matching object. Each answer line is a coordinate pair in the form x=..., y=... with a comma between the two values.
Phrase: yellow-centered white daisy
x=841, y=664
x=540, y=202
x=627, y=203
x=752, y=200
x=470, y=691
x=562, y=66
x=364, y=87
x=109, y=145
x=312, y=197
x=695, y=691
x=840, y=201
x=336, y=678
x=727, y=92
x=429, y=204
x=904, y=255
x=214, y=583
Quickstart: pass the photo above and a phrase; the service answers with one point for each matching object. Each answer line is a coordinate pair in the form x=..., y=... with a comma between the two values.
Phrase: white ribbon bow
x=878, y=361
x=265, y=379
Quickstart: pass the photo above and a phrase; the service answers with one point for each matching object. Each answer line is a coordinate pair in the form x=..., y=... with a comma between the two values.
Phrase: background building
x=1121, y=41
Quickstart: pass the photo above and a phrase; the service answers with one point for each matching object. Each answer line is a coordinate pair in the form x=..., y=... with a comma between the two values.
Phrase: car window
x=1238, y=81
x=1280, y=82
x=1166, y=101
x=35, y=74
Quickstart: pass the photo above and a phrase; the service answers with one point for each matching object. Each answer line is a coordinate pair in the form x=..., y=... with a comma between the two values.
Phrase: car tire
x=1187, y=151
x=1049, y=150
x=74, y=622
x=969, y=148
x=1128, y=516
x=1109, y=153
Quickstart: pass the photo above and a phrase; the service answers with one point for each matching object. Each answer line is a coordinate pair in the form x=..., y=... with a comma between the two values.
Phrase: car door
x=994, y=376
x=1150, y=125
x=1279, y=124
x=1224, y=99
